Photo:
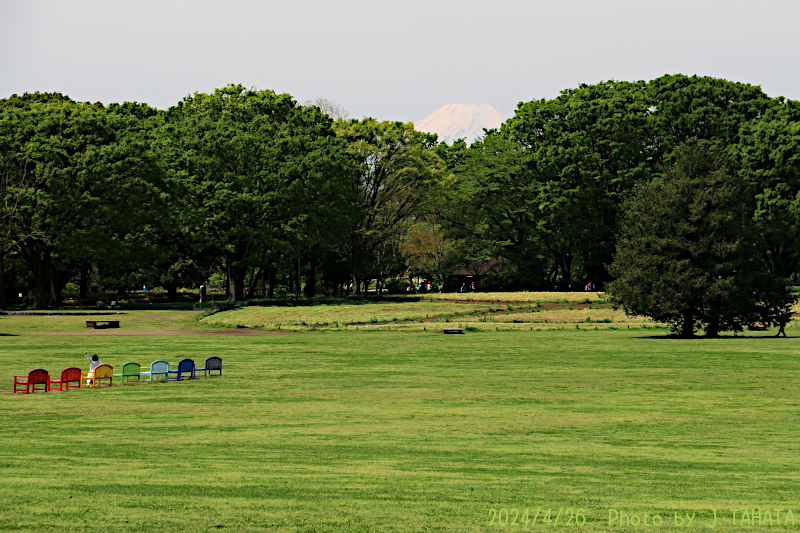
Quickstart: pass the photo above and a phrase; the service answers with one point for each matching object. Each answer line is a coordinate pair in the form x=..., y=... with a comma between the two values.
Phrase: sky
x=387, y=59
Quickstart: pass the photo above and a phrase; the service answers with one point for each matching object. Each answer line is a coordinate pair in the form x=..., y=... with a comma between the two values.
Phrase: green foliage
x=395, y=286
x=278, y=198
x=262, y=174
x=545, y=191
x=96, y=193
x=545, y=188
x=701, y=107
x=769, y=155
x=686, y=254
x=399, y=171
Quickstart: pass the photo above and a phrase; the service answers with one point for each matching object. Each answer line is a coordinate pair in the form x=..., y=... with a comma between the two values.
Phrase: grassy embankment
x=431, y=311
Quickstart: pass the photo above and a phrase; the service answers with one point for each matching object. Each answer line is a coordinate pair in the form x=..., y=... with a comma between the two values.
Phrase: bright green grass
x=403, y=431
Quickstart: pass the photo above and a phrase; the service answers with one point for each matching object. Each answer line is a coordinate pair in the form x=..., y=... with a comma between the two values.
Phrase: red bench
x=35, y=377
x=69, y=375
x=453, y=330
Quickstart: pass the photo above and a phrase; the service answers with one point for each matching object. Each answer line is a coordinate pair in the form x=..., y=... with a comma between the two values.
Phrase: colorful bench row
x=186, y=370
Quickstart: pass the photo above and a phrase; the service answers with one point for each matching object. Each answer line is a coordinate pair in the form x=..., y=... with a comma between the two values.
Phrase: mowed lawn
x=404, y=431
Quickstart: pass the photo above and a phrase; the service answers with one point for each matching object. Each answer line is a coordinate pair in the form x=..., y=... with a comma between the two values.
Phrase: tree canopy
x=249, y=189
x=686, y=253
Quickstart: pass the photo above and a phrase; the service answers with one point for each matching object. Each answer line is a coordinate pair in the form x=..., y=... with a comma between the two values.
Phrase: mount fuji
x=454, y=121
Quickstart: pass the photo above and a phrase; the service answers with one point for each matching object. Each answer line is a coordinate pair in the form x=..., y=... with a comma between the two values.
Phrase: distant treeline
x=248, y=189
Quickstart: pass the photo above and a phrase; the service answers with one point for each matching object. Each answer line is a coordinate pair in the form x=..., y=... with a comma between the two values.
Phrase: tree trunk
x=687, y=327
x=83, y=284
x=269, y=282
x=41, y=269
x=56, y=284
x=311, y=280
x=712, y=329
x=298, y=280
x=3, y=303
x=235, y=275
x=255, y=273
x=172, y=290
x=356, y=264
x=3, y=300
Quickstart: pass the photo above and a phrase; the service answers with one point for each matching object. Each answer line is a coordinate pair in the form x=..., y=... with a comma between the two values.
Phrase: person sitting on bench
x=94, y=362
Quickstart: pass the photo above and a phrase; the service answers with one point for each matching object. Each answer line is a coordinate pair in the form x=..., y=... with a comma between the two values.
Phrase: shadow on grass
x=720, y=338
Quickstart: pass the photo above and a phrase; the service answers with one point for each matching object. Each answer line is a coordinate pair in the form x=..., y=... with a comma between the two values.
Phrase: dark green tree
x=686, y=252
x=94, y=192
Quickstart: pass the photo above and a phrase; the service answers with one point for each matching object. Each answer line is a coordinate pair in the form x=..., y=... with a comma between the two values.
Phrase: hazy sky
x=389, y=59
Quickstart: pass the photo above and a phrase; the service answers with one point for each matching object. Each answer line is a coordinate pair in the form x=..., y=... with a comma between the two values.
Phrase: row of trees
x=266, y=192
x=240, y=182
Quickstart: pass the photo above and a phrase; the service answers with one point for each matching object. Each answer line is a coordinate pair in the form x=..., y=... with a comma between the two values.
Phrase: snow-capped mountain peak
x=454, y=121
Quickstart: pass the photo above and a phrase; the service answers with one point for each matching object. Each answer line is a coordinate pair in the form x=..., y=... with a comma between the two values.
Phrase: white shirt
x=92, y=364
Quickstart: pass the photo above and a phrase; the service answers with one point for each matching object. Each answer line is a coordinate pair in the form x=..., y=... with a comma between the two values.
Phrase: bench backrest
x=159, y=367
x=185, y=365
x=214, y=363
x=38, y=376
x=103, y=371
x=131, y=369
x=71, y=374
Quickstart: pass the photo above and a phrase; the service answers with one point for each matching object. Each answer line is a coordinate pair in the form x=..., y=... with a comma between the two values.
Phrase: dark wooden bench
x=212, y=363
x=453, y=330
x=99, y=324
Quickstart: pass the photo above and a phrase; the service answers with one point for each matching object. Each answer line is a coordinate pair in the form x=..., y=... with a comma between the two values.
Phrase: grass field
x=402, y=431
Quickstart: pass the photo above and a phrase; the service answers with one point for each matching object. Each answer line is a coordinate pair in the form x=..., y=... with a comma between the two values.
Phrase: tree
x=261, y=174
x=686, y=254
x=16, y=180
x=769, y=159
x=427, y=248
x=328, y=107
x=398, y=170
x=95, y=189
x=549, y=183
x=700, y=107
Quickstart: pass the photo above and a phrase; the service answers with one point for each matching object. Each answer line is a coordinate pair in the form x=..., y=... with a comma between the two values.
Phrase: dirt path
x=122, y=333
